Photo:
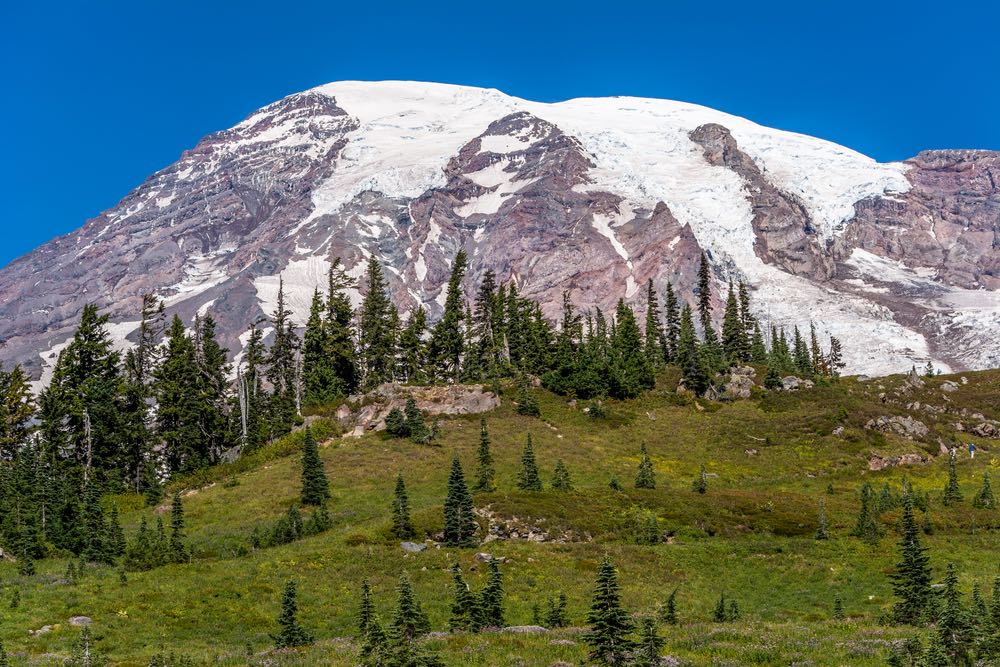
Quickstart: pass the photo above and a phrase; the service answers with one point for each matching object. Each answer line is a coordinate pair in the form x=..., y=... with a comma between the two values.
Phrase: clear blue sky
x=98, y=95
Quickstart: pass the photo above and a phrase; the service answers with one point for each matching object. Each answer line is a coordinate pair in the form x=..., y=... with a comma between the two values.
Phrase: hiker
x=972, y=450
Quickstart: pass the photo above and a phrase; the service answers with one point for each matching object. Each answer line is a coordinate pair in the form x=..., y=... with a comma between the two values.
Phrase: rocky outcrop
x=367, y=412
x=739, y=383
x=905, y=426
x=876, y=462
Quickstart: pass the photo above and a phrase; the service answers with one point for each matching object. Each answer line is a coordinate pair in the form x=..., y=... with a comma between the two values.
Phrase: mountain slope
x=591, y=196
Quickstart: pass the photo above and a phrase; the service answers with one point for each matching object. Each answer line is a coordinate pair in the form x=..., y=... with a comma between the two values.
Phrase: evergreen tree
x=282, y=370
x=395, y=424
x=720, y=614
x=528, y=478
x=867, y=527
x=4, y=659
x=315, y=487
x=817, y=358
x=911, y=581
x=17, y=409
x=491, y=599
x=95, y=544
x=376, y=346
x=463, y=606
x=656, y=342
x=402, y=526
x=614, y=484
x=560, y=478
x=952, y=494
x=645, y=478
x=178, y=407
x=213, y=381
x=320, y=382
x=672, y=330
x=415, y=426
x=178, y=549
x=250, y=403
x=700, y=484
x=459, y=518
x=984, y=499
x=687, y=356
x=84, y=654
x=376, y=647
x=610, y=625
x=487, y=473
x=835, y=360
x=953, y=628
x=734, y=334
x=410, y=621
x=366, y=610
x=704, y=293
x=338, y=335
x=800, y=355
x=291, y=633
x=116, y=536
x=555, y=616
x=838, y=608
x=758, y=351
x=669, y=612
x=447, y=344
x=822, y=531
x=631, y=370
x=995, y=603
x=412, y=349
x=650, y=645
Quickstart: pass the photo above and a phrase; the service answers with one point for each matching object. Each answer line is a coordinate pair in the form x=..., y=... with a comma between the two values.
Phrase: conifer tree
x=953, y=627
x=835, y=359
x=700, y=484
x=491, y=599
x=95, y=543
x=412, y=349
x=315, y=486
x=838, y=608
x=447, y=344
x=178, y=549
x=463, y=606
x=758, y=351
x=822, y=531
x=375, y=341
x=338, y=334
x=415, y=426
x=734, y=334
x=84, y=654
x=704, y=293
x=410, y=621
x=669, y=612
x=867, y=527
x=486, y=473
x=800, y=354
x=650, y=645
x=320, y=382
x=555, y=615
x=995, y=603
x=291, y=633
x=459, y=518
x=178, y=407
x=116, y=536
x=980, y=615
x=4, y=659
x=376, y=647
x=631, y=371
x=984, y=499
x=645, y=478
x=610, y=625
x=614, y=484
x=911, y=581
x=366, y=610
x=282, y=369
x=720, y=614
x=672, y=329
x=528, y=478
x=402, y=526
x=817, y=358
x=560, y=478
x=687, y=356
x=952, y=494
x=17, y=409
x=655, y=341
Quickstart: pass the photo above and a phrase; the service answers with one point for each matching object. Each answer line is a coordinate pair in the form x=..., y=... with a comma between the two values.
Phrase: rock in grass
x=525, y=629
x=412, y=547
x=80, y=620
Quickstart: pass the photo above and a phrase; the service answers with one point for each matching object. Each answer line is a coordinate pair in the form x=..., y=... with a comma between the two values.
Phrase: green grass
x=750, y=536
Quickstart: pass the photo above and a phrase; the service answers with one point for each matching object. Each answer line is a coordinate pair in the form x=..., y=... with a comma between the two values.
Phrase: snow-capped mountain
x=592, y=196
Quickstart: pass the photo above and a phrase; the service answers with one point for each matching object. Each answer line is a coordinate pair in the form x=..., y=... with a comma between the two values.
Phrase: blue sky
x=98, y=95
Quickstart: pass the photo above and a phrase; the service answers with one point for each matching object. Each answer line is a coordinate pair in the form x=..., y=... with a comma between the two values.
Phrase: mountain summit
x=591, y=196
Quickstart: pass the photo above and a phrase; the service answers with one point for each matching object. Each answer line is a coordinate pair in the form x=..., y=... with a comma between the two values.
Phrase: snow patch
x=300, y=278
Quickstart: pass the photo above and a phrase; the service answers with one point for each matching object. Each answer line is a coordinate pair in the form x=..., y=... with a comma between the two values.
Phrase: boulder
x=986, y=430
x=877, y=462
x=413, y=547
x=739, y=384
x=792, y=383
x=366, y=412
x=483, y=557
x=80, y=621
x=44, y=630
x=949, y=386
x=905, y=426
x=526, y=629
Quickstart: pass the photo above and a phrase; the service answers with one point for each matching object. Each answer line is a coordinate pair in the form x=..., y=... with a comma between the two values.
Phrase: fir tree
x=376, y=345
x=734, y=334
x=402, y=526
x=84, y=654
x=835, y=360
x=822, y=531
x=491, y=599
x=17, y=409
x=953, y=627
x=867, y=527
x=177, y=398
x=672, y=330
x=315, y=487
x=338, y=334
x=412, y=349
x=459, y=518
x=758, y=351
x=116, y=536
x=668, y=614
x=527, y=404
x=614, y=484
x=415, y=426
x=995, y=603
x=984, y=499
x=838, y=608
x=447, y=343
x=704, y=293
x=911, y=580
x=291, y=633
x=282, y=369
x=560, y=478
x=719, y=614
x=687, y=356
x=486, y=473
x=610, y=625
x=645, y=478
x=655, y=343
x=395, y=424
x=555, y=616
x=463, y=606
x=952, y=494
x=4, y=659
x=800, y=354
x=410, y=621
x=366, y=610
x=376, y=648
x=650, y=645
x=631, y=370
x=528, y=478
x=700, y=483
x=178, y=549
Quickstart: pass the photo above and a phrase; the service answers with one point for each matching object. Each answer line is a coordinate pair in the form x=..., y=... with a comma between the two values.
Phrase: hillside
x=770, y=461
x=593, y=196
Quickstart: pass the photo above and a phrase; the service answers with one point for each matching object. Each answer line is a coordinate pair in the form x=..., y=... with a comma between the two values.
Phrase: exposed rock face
x=905, y=426
x=372, y=408
x=782, y=224
x=739, y=383
x=877, y=462
x=593, y=197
